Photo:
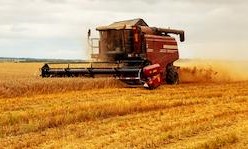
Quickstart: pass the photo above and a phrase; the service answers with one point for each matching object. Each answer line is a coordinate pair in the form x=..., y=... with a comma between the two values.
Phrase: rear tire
x=172, y=76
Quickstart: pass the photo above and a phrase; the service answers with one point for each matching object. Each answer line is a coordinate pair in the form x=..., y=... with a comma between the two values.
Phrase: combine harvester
x=131, y=51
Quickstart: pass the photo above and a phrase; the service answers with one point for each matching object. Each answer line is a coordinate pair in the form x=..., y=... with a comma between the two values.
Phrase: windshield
x=115, y=41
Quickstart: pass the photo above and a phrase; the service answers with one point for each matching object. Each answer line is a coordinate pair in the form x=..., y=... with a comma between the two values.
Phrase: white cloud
x=208, y=24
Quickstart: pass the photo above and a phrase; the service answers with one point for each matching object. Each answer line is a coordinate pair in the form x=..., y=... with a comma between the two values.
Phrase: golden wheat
x=23, y=79
x=101, y=113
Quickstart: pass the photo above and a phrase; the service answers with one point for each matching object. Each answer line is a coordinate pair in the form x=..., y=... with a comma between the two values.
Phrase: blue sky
x=58, y=28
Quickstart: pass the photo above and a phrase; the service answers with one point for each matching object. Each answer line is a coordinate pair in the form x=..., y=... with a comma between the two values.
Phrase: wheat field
x=208, y=109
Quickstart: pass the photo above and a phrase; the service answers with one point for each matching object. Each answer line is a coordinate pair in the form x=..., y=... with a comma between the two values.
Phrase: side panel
x=161, y=50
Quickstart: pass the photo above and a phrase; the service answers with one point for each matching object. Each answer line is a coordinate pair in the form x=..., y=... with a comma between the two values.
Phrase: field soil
x=208, y=109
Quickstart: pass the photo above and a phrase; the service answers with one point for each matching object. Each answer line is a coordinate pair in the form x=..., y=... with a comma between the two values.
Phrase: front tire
x=171, y=76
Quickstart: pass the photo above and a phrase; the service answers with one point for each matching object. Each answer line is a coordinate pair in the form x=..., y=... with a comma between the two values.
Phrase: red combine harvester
x=132, y=52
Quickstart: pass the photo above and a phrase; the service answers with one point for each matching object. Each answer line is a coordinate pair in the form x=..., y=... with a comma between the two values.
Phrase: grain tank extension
x=130, y=51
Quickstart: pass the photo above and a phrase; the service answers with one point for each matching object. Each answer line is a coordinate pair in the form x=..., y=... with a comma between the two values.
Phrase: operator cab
x=117, y=40
x=115, y=44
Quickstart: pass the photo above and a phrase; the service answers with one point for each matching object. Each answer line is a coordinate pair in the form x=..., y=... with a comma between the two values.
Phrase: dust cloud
x=212, y=71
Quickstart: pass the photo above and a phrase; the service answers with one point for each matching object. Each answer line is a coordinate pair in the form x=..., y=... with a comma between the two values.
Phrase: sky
x=214, y=29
